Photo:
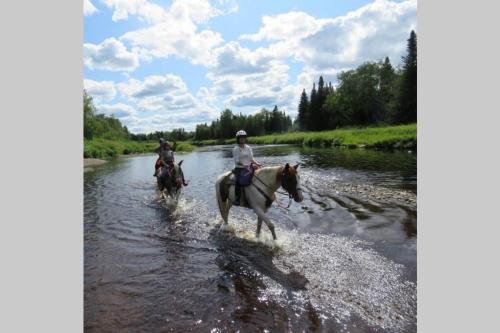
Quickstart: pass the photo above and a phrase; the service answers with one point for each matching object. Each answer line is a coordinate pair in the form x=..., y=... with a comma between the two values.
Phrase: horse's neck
x=269, y=176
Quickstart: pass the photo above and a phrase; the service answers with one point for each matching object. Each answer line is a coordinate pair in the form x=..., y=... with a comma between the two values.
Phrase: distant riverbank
x=385, y=138
x=107, y=149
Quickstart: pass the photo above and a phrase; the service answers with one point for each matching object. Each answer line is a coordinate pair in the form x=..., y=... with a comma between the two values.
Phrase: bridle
x=286, y=183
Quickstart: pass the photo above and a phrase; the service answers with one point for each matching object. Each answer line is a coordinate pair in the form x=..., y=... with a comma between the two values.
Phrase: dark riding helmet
x=162, y=141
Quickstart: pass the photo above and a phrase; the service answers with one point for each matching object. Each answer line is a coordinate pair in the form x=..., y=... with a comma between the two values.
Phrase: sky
x=160, y=65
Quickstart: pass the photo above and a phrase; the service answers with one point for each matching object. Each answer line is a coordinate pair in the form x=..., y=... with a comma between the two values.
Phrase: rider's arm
x=253, y=159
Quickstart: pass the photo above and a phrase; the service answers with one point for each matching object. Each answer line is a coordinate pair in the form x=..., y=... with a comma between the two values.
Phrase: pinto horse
x=169, y=183
x=260, y=194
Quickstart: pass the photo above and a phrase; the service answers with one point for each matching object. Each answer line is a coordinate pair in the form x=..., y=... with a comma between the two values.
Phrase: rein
x=268, y=198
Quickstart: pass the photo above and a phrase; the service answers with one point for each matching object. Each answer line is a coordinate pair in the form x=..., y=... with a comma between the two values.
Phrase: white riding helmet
x=241, y=133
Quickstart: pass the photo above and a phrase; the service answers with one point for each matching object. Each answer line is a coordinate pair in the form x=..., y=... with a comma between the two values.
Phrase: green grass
x=184, y=146
x=107, y=149
x=387, y=137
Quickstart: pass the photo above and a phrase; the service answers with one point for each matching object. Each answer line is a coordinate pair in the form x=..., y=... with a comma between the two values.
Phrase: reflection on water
x=342, y=262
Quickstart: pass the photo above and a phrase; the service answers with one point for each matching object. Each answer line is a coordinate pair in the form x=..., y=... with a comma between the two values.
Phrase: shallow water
x=341, y=263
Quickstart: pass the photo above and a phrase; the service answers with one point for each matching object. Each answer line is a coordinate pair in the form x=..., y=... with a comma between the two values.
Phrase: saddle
x=227, y=182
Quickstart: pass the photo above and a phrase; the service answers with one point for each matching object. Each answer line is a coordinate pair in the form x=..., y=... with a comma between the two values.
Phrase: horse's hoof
x=226, y=228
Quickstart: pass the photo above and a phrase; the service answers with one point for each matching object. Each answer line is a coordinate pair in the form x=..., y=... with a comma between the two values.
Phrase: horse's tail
x=222, y=198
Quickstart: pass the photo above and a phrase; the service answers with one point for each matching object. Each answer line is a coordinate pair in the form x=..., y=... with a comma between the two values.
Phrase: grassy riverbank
x=388, y=137
x=106, y=149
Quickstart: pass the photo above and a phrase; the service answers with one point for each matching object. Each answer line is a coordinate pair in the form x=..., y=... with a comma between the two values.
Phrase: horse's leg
x=260, y=213
x=224, y=204
x=259, y=225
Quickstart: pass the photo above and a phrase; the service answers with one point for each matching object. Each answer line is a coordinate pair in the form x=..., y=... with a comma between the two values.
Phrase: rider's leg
x=237, y=187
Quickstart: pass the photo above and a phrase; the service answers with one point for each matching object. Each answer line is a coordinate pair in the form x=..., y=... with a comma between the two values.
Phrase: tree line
x=178, y=134
x=98, y=125
x=261, y=123
x=373, y=93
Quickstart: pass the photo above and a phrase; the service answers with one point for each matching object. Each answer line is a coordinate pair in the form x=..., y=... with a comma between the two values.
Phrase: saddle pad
x=246, y=176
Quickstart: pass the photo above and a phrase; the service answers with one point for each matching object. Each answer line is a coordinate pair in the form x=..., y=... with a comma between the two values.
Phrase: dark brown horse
x=170, y=180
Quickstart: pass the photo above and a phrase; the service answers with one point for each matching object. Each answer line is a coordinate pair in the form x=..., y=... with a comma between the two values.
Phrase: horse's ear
x=296, y=166
x=287, y=167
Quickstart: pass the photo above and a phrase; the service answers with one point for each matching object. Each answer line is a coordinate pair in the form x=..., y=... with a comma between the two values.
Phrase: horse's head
x=290, y=181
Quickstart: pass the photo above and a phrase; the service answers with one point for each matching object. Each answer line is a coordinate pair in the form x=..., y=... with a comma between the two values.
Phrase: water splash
x=345, y=277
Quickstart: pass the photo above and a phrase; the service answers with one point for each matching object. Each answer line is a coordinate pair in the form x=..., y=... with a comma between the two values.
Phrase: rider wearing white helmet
x=243, y=158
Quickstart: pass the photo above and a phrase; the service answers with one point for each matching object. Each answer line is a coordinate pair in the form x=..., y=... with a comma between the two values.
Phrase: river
x=345, y=259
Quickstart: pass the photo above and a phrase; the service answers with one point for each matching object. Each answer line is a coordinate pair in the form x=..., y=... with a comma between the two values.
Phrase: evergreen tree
x=407, y=101
x=275, y=120
x=386, y=89
x=322, y=92
x=303, y=110
x=319, y=115
x=313, y=107
x=330, y=88
x=227, y=124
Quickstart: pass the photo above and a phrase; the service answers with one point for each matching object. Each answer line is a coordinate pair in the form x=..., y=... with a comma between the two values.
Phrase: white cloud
x=118, y=110
x=179, y=39
x=173, y=30
x=110, y=55
x=287, y=26
x=164, y=101
x=196, y=11
x=370, y=33
x=154, y=85
x=166, y=121
x=89, y=8
x=167, y=103
x=247, y=78
x=232, y=59
x=146, y=10
x=100, y=90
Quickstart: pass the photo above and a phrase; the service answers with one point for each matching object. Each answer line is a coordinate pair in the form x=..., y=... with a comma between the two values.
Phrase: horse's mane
x=275, y=168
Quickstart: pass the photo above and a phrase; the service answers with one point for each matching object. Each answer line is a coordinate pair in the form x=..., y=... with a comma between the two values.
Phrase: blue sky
x=159, y=65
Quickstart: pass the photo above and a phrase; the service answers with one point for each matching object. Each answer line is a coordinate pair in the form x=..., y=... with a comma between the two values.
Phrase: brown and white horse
x=260, y=193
